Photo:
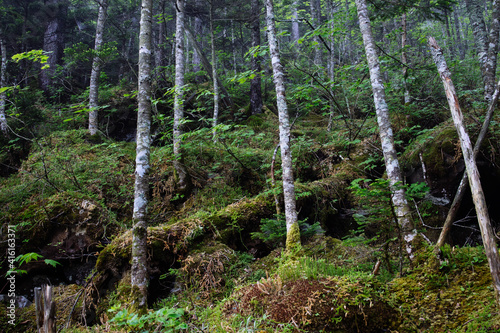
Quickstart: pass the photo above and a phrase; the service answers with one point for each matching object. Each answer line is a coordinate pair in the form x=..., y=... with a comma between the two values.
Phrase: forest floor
x=216, y=254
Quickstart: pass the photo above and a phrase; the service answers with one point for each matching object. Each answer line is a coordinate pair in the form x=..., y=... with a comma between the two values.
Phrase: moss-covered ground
x=213, y=267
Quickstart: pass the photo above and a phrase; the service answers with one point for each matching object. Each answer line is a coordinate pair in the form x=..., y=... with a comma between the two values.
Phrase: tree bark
x=292, y=225
x=316, y=22
x=53, y=40
x=183, y=180
x=3, y=84
x=470, y=164
x=452, y=213
x=295, y=23
x=49, y=316
x=214, y=72
x=161, y=40
x=404, y=59
x=208, y=67
x=139, y=274
x=484, y=49
x=198, y=29
x=255, y=83
x=458, y=33
x=96, y=67
x=402, y=209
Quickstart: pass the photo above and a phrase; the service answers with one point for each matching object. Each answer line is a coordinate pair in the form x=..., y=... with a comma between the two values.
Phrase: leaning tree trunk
x=139, y=275
x=180, y=169
x=292, y=225
x=475, y=184
x=402, y=210
x=457, y=200
x=255, y=83
x=3, y=83
x=96, y=67
x=214, y=72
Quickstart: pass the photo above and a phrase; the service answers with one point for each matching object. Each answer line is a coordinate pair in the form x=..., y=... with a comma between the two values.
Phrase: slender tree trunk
x=483, y=218
x=404, y=59
x=255, y=83
x=160, y=46
x=475, y=11
x=180, y=168
x=139, y=275
x=464, y=183
x=292, y=225
x=402, y=210
x=458, y=33
x=295, y=23
x=3, y=84
x=494, y=35
x=53, y=40
x=448, y=34
x=198, y=29
x=208, y=67
x=316, y=22
x=96, y=68
x=214, y=72
x=331, y=62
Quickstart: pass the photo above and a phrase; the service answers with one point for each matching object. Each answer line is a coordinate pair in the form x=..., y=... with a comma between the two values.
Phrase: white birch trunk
x=3, y=83
x=182, y=175
x=483, y=218
x=214, y=72
x=139, y=275
x=96, y=68
x=292, y=225
x=295, y=23
x=402, y=210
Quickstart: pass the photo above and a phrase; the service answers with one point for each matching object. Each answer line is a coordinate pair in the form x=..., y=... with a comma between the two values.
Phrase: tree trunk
x=452, y=213
x=161, y=40
x=292, y=225
x=139, y=274
x=180, y=169
x=198, y=29
x=331, y=62
x=475, y=11
x=255, y=83
x=316, y=22
x=3, y=84
x=402, y=210
x=208, y=67
x=214, y=72
x=475, y=184
x=295, y=23
x=53, y=41
x=96, y=67
x=458, y=33
x=404, y=59
x=49, y=316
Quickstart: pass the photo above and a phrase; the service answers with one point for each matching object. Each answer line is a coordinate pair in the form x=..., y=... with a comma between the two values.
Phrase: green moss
x=293, y=237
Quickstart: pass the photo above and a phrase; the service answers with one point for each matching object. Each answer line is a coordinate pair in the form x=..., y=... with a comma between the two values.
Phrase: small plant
x=25, y=259
x=169, y=320
x=273, y=231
